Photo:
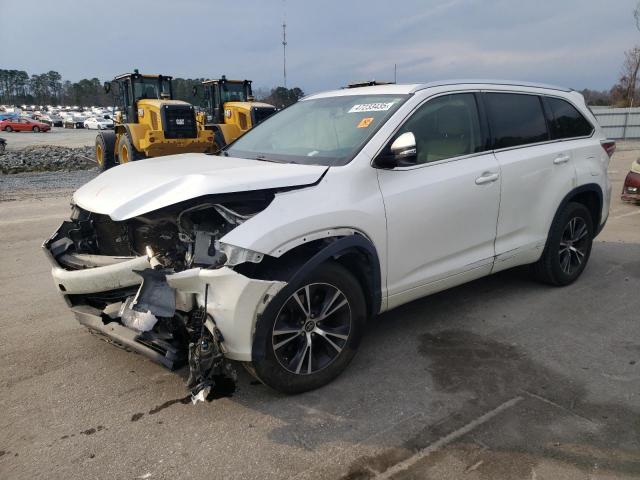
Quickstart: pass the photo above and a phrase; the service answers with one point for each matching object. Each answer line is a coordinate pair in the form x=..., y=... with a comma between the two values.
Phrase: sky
x=573, y=43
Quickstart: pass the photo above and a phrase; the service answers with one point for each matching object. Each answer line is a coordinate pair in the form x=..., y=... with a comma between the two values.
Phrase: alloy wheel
x=312, y=328
x=574, y=244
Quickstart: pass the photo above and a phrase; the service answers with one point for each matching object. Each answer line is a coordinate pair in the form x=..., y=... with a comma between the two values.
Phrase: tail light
x=609, y=147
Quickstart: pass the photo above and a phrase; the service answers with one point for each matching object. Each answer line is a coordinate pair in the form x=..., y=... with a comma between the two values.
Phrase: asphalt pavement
x=502, y=378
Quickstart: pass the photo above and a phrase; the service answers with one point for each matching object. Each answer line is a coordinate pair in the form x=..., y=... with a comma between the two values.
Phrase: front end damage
x=163, y=285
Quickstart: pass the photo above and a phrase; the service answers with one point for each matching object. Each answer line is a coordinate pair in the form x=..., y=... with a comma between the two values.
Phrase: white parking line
x=30, y=219
x=628, y=214
x=425, y=452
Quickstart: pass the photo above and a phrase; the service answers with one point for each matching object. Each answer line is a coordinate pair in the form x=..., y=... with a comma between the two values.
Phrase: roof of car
x=405, y=89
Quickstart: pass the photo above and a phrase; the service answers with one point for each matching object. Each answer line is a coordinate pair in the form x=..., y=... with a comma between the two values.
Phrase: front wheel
x=105, y=148
x=568, y=247
x=36, y=129
x=310, y=331
x=126, y=151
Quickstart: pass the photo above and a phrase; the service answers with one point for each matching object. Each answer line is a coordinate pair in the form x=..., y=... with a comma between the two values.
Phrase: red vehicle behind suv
x=23, y=125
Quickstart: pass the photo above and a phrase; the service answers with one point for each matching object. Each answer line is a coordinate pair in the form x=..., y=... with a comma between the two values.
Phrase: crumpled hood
x=139, y=187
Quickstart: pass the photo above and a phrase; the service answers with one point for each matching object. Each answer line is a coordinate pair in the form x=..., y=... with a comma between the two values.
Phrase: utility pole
x=284, y=51
x=395, y=73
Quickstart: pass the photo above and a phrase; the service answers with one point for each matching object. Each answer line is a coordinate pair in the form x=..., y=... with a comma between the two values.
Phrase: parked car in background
x=631, y=187
x=52, y=119
x=23, y=125
x=349, y=203
x=98, y=123
x=73, y=121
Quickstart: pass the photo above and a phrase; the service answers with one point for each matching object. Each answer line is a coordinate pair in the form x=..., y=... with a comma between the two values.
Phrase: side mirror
x=107, y=87
x=402, y=151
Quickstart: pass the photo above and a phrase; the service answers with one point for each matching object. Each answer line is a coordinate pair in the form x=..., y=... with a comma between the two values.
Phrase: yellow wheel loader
x=149, y=122
x=230, y=110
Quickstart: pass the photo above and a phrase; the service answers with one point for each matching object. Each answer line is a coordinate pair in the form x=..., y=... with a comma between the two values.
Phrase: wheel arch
x=355, y=252
x=590, y=195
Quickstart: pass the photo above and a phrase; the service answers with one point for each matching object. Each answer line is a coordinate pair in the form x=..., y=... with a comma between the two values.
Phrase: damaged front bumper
x=95, y=288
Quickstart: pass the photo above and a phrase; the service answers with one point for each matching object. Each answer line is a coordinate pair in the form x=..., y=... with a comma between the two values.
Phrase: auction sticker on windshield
x=371, y=107
x=365, y=122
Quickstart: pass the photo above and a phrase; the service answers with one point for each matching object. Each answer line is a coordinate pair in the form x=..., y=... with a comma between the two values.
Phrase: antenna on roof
x=284, y=43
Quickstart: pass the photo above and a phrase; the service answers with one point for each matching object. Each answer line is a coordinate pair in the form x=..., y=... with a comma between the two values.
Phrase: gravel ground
x=22, y=186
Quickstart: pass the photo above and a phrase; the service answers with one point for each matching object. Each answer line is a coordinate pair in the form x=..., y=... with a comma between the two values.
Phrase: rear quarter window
x=515, y=119
x=566, y=120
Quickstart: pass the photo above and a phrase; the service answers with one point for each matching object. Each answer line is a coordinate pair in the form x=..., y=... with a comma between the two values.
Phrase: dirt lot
x=63, y=137
x=502, y=378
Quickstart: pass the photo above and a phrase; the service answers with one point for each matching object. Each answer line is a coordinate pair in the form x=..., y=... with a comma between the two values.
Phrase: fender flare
x=352, y=243
x=589, y=187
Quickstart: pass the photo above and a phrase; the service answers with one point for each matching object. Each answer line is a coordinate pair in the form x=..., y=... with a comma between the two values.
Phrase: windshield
x=147, y=87
x=233, y=92
x=323, y=131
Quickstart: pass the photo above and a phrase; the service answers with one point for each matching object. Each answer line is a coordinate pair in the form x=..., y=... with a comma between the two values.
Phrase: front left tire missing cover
x=312, y=330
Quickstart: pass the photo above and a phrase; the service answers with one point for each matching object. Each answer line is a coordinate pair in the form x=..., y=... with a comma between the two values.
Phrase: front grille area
x=179, y=121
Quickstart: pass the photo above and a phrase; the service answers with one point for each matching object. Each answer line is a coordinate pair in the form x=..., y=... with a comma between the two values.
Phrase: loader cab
x=132, y=87
x=220, y=91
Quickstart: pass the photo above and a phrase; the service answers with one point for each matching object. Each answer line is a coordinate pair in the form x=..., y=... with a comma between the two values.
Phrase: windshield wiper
x=263, y=158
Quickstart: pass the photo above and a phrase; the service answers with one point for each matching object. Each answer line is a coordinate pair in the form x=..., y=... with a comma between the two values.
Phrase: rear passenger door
x=537, y=173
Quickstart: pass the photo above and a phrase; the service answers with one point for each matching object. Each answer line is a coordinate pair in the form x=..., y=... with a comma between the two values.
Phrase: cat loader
x=230, y=110
x=148, y=122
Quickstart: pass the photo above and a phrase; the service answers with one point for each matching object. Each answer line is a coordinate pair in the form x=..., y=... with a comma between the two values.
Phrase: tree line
x=17, y=87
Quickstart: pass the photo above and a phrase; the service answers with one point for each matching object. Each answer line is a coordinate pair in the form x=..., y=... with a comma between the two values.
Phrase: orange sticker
x=365, y=122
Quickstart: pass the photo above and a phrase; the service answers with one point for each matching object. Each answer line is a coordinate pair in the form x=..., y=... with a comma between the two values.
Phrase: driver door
x=442, y=207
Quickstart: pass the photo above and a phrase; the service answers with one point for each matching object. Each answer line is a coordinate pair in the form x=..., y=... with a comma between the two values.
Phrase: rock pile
x=46, y=158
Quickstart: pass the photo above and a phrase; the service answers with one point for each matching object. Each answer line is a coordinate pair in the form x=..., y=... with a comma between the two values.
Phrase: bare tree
x=629, y=75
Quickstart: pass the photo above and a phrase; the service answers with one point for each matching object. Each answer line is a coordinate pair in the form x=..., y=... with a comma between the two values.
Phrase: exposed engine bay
x=172, y=322
x=179, y=237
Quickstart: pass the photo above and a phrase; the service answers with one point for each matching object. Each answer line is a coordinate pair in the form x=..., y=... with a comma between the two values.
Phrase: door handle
x=561, y=159
x=487, y=177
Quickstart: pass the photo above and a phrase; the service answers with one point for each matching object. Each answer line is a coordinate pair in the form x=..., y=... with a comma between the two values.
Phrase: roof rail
x=514, y=83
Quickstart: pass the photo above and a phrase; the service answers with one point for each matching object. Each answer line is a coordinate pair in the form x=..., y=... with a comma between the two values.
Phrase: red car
x=631, y=188
x=23, y=125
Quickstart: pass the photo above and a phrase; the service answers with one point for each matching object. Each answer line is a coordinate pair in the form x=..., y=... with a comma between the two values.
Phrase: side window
x=567, y=121
x=446, y=127
x=515, y=119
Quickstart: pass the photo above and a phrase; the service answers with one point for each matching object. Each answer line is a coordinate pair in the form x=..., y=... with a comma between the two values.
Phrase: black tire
x=277, y=367
x=105, y=150
x=126, y=151
x=36, y=129
x=8, y=129
x=565, y=255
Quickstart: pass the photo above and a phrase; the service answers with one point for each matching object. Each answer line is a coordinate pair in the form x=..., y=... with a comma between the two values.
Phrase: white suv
x=347, y=204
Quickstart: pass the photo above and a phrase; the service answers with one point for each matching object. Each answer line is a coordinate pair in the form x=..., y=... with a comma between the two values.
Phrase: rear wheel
x=105, y=150
x=8, y=128
x=568, y=247
x=126, y=150
x=311, y=331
